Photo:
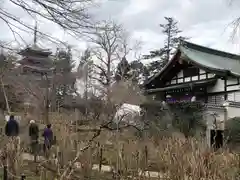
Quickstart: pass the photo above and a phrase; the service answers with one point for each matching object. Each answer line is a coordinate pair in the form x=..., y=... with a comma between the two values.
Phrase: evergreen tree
x=64, y=85
x=140, y=71
x=135, y=71
x=86, y=66
x=84, y=63
x=123, y=70
x=171, y=31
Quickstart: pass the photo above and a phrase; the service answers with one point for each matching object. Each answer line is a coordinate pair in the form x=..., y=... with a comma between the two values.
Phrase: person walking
x=12, y=127
x=48, y=139
x=13, y=143
x=34, y=135
x=12, y=131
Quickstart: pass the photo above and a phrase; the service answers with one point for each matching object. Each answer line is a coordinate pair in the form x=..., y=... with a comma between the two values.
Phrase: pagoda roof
x=40, y=60
x=39, y=69
x=207, y=58
x=35, y=49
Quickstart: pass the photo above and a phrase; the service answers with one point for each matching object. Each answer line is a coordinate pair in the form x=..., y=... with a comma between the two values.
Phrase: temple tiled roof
x=205, y=57
x=210, y=58
x=35, y=49
x=41, y=60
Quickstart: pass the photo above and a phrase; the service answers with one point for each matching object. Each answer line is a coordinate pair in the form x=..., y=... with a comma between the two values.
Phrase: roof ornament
x=181, y=42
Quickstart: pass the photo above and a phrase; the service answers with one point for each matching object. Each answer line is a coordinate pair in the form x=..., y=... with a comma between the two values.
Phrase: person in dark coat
x=34, y=135
x=48, y=137
x=12, y=127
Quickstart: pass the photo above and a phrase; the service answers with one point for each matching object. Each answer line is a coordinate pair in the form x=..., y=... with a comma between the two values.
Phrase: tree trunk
x=46, y=102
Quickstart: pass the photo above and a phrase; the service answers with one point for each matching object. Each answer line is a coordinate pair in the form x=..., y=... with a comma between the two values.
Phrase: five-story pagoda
x=35, y=61
x=37, y=66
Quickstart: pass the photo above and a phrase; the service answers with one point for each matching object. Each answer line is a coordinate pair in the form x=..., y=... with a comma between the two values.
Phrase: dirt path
x=104, y=168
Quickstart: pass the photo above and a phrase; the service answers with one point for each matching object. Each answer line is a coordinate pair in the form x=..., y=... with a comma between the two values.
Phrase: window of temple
x=218, y=99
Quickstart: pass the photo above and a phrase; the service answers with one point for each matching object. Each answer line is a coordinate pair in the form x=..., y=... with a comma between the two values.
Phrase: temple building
x=36, y=61
x=202, y=74
x=36, y=65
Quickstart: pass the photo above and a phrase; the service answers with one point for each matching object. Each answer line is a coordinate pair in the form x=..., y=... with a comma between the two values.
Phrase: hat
x=32, y=121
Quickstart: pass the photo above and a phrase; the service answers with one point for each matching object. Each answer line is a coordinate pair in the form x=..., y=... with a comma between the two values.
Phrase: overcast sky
x=206, y=22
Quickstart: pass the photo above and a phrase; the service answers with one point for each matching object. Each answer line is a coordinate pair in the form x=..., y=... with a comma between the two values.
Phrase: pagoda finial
x=35, y=33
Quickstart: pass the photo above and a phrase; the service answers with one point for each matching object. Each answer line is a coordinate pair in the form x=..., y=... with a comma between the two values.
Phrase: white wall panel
x=219, y=86
x=180, y=74
x=194, y=78
x=233, y=88
x=232, y=81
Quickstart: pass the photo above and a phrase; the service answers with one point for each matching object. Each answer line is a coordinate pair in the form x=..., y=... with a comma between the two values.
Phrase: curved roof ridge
x=212, y=61
x=209, y=50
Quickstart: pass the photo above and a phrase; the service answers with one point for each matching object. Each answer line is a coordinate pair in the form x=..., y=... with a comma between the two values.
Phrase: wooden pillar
x=146, y=154
x=205, y=94
x=208, y=137
x=100, y=156
x=23, y=177
x=225, y=88
x=5, y=172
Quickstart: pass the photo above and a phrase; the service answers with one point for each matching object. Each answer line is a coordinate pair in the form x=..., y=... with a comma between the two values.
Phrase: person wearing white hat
x=32, y=121
x=34, y=135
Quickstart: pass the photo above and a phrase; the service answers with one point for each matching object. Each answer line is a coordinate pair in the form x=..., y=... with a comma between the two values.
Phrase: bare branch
x=71, y=15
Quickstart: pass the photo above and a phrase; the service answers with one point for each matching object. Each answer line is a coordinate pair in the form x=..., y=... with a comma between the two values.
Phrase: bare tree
x=9, y=93
x=34, y=93
x=235, y=23
x=71, y=15
x=106, y=46
x=110, y=45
